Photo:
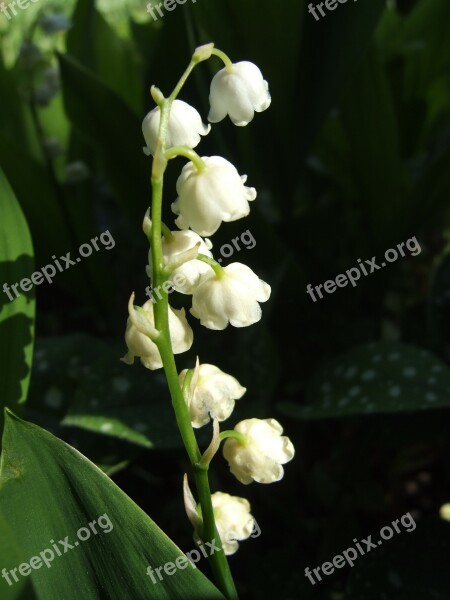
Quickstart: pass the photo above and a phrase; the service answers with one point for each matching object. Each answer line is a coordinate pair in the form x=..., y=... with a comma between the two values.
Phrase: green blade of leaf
x=9, y=552
x=93, y=42
x=49, y=491
x=16, y=313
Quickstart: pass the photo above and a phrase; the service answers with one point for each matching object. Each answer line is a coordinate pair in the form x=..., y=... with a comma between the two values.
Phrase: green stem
x=240, y=437
x=187, y=153
x=218, y=561
x=224, y=58
x=168, y=235
x=217, y=268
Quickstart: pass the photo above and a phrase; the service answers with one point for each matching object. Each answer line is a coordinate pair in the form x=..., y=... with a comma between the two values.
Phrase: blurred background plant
x=352, y=158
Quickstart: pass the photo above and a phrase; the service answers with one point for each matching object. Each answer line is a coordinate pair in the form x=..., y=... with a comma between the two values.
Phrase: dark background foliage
x=351, y=159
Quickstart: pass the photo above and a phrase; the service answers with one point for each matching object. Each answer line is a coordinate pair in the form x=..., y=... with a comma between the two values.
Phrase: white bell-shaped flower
x=229, y=298
x=233, y=520
x=208, y=197
x=185, y=127
x=239, y=92
x=141, y=346
x=259, y=457
x=184, y=278
x=213, y=396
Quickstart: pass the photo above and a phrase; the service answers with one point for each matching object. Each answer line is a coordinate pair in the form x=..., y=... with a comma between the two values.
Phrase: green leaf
x=117, y=133
x=379, y=377
x=80, y=381
x=93, y=42
x=10, y=552
x=16, y=312
x=410, y=566
x=49, y=491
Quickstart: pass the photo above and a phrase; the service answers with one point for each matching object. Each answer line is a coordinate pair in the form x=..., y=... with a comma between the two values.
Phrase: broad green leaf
x=117, y=134
x=49, y=491
x=379, y=377
x=93, y=42
x=17, y=311
x=410, y=566
x=9, y=552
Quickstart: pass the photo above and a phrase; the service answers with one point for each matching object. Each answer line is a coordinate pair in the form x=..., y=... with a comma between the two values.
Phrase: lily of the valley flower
x=260, y=456
x=185, y=127
x=231, y=297
x=233, y=520
x=141, y=346
x=185, y=277
x=214, y=394
x=238, y=91
x=208, y=197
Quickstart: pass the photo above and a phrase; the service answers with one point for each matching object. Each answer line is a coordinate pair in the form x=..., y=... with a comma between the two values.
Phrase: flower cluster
x=210, y=191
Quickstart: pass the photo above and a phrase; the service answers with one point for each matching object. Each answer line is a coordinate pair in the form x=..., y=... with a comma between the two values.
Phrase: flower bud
x=260, y=457
x=208, y=197
x=185, y=277
x=141, y=346
x=230, y=298
x=185, y=127
x=238, y=92
x=214, y=395
x=233, y=520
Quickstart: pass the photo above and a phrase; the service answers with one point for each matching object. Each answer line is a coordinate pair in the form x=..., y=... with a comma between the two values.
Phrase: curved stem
x=187, y=153
x=240, y=437
x=217, y=268
x=224, y=58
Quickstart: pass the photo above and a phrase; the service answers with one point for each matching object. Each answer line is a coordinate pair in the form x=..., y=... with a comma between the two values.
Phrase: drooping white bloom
x=214, y=394
x=238, y=92
x=230, y=298
x=233, y=520
x=260, y=457
x=208, y=197
x=140, y=346
x=185, y=277
x=185, y=127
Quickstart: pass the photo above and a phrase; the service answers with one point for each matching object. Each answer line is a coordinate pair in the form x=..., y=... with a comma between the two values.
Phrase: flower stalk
x=210, y=192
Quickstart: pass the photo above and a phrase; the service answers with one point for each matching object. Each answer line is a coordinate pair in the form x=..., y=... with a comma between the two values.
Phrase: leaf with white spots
x=382, y=377
x=84, y=385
